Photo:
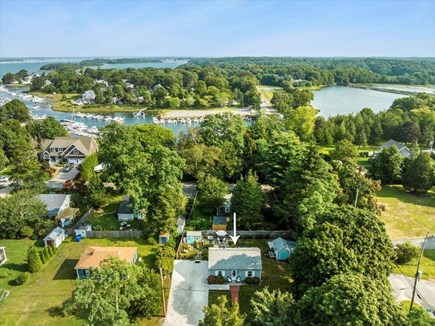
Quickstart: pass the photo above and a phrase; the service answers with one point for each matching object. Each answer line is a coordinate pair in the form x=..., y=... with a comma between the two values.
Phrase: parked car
x=67, y=168
x=4, y=179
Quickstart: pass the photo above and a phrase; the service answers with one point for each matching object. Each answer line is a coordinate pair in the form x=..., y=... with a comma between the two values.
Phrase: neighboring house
x=56, y=203
x=235, y=264
x=82, y=229
x=281, y=249
x=219, y=223
x=181, y=223
x=193, y=236
x=71, y=150
x=88, y=96
x=3, y=256
x=225, y=209
x=163, y=237
x=403, y=150
x=93, y=256
x=55, y=237
x=126, y=212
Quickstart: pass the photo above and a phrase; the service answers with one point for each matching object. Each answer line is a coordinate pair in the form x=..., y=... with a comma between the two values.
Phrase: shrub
x=33, y=260
x=22, y=278
x=43, y=258
x=26, y=231
x=220, y=280
x=151, y=241
x=46, y=255
x=252, y=280
x=406, y=252
x=211, y=279
x=98, y=228
x=50, y=250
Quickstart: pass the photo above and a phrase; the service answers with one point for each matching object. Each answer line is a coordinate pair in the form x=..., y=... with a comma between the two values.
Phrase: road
x=430, y=244
x=402, y=290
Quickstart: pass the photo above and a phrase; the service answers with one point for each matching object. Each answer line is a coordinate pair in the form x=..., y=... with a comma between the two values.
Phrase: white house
x=126, y=211
x=55, y=237
x=56, y=203
x=71, y=150
x=88, y=96
x=193, y=236
x=3, y=257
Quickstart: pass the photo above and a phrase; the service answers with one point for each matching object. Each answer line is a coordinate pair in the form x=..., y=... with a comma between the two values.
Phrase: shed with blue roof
x=281, y=249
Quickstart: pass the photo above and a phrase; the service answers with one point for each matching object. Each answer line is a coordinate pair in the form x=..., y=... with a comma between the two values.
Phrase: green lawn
x=407, y=215
x=275, y=275
x=427, y=266
x=37, y=302
x=106, y=217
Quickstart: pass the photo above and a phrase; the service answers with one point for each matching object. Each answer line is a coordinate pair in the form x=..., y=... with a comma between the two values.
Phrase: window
x=250, y=274
x=219, y=273
x=87, y=272
x=75, y=151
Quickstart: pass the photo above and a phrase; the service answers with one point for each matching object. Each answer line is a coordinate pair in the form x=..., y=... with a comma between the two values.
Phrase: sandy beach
x=180, y=114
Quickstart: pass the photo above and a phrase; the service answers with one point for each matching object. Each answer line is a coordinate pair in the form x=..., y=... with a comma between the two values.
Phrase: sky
x=216, y=28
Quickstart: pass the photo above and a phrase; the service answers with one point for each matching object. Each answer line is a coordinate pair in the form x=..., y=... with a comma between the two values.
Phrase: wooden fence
x=115, y=234
x=260, y=234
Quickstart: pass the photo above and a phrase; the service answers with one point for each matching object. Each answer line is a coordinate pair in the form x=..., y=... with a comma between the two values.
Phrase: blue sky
x=216, y=28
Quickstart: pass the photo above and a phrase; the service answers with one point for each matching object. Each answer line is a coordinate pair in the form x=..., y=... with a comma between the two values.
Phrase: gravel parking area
x=189, y=293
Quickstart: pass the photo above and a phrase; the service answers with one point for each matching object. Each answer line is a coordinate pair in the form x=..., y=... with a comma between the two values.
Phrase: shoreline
x=384, y=88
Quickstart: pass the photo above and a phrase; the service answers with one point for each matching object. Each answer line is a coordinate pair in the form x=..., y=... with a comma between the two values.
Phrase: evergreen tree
x=248, y=201
x=33, y=261
x=387, y=166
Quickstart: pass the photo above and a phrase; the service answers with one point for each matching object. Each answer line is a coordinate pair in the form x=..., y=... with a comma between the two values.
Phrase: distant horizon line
x=216, y=57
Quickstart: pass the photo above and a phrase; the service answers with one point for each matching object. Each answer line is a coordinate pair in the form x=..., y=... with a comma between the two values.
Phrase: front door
x=234, y=274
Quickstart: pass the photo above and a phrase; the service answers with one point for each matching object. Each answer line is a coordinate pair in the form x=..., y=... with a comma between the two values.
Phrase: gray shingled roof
x=125, y=207
x=219, y=220
x=53, y=201
x=390, y=143
x=234, y=258
x=54, y=234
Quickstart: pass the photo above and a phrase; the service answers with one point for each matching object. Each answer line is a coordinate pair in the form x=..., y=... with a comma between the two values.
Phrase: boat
x=188, y=121
x=156, y=120
x=108, y=119
x=118, y=119
x=39, y=117
x=80, y=115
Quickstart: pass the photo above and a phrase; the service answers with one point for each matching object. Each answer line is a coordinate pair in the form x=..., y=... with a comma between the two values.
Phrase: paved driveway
x=402, y=290
x=59, y=179
x=189, y=293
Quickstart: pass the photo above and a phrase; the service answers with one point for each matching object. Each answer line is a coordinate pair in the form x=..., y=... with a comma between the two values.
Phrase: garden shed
x=219, y=223
x=55, y=237
x=281, y=249
x=82, y=229
x=193, y=236
x=3, y=256
x=163, y=237
x=126, y=211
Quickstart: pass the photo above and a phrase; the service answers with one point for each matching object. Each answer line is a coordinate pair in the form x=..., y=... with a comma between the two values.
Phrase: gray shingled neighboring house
x=56, y=203
x=403, y=150
x=126, y=211
x=235, y=263
x=72, y=150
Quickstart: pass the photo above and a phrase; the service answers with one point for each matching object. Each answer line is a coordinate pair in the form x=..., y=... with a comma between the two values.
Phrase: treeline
x=183, y=87
x=409, y=120
x=102, y=61
x=60, y=66
x=19, y=77
x=410, y=71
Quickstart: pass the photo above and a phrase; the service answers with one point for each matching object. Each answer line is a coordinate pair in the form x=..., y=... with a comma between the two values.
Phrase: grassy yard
x=427, y=266
x=275, y=275
x=37, y=302
x=407, y=215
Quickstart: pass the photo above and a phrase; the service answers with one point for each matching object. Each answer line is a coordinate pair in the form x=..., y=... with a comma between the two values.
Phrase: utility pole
x=418, y=273
x=356, y=197
x=163, y=293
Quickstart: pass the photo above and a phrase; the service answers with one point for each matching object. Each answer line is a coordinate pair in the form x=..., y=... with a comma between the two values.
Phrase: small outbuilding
x=163, y=237
x=56, y=203
x=235, y=264
x=55, y=237
x=403, y=150
x=193, y=236
x=3, y=256
x=126, y=211
x=281, y=249
x=82, y=229
x=181, y=223
x=219, y=223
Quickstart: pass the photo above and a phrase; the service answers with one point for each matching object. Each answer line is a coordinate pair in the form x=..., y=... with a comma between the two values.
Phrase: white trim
x=216, y=273
x=247, y=273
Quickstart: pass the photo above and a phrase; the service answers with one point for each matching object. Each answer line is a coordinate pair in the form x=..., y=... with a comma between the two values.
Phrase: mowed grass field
x=38, y=301
x=407, y=215
x=427, y=266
